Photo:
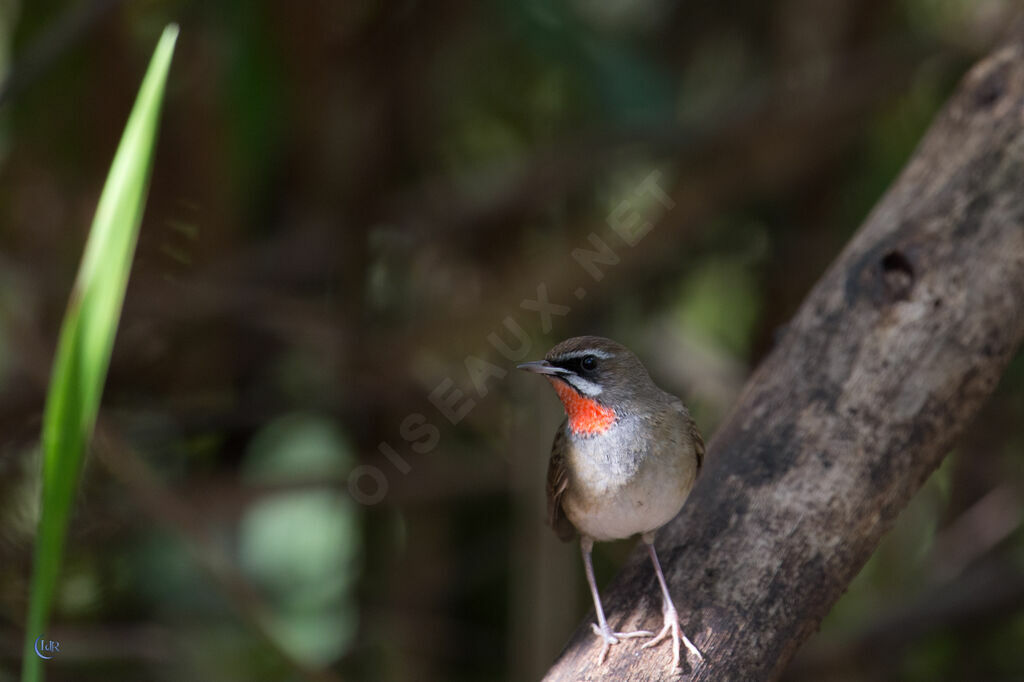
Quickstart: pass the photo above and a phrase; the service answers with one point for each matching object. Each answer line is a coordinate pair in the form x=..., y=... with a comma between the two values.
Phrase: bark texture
x=885, y=363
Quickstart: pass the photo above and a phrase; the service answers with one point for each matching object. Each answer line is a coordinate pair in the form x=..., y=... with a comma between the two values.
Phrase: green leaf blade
x=87, y=339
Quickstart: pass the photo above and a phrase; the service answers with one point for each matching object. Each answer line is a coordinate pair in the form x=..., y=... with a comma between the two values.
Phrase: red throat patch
x=587, y=417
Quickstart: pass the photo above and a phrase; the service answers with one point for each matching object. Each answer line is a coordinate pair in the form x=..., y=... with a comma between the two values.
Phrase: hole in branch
x=898, y=274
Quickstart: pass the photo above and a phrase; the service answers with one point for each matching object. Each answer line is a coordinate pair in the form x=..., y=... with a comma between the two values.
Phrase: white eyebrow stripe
x=572, y=355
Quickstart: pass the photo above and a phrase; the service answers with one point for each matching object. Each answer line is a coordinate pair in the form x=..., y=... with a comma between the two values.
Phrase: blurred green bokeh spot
x=302, y=546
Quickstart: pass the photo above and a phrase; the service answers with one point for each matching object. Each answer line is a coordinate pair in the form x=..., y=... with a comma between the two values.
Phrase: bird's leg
x=601, y=628
x=669, y=611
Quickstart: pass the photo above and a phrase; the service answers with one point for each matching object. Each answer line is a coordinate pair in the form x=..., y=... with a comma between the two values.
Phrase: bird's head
x=596, y=378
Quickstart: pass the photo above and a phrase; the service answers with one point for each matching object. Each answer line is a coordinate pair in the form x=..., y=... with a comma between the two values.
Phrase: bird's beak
x=542, y=367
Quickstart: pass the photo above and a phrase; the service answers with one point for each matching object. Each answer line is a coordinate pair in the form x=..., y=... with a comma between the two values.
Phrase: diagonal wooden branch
x=889, y=357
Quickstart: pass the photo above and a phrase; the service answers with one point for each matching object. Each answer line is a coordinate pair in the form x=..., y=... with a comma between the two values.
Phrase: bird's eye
x=589, y=363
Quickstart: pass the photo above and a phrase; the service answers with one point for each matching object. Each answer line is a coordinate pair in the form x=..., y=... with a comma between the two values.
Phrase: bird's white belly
x=624, y=515
x=611, y=498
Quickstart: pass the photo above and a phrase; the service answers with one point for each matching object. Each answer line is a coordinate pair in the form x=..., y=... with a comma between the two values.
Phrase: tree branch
x=889, y=357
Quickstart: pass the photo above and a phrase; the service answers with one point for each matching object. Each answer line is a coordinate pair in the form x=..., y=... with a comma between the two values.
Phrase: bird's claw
x=672, y=626
x=610, y=638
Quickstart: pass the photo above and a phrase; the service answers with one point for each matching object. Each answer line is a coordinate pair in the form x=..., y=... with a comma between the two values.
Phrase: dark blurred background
x=353, y=206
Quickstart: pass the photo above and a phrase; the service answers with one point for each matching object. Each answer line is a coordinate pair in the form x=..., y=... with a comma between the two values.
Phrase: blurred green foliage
x=303, y=547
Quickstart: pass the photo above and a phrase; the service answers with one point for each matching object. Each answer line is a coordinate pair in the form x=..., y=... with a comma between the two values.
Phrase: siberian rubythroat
x=622, y=463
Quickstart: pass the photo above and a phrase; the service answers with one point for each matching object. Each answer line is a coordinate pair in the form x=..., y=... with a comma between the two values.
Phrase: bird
x=622, y=464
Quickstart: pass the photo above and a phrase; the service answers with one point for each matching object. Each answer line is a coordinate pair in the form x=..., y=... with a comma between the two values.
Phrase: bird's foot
x=610, y=638
x=672, y=627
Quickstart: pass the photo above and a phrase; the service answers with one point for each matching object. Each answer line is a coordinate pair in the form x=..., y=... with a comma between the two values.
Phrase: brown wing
x=698, y=443
x=691, y=427
x=558, y=482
